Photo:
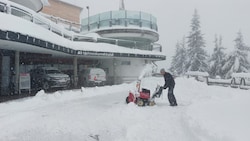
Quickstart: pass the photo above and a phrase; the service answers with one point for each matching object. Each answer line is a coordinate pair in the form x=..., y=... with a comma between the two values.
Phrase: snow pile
x=197, y=73
x=207, y=113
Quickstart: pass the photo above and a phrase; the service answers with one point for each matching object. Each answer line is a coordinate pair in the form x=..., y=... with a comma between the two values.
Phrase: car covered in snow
x=49, y=77
x=92, y=77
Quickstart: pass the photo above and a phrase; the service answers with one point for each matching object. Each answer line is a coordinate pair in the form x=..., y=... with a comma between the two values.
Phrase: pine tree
x=237, y=61
x=179, y=59
x=217, y=59
x=197, y=56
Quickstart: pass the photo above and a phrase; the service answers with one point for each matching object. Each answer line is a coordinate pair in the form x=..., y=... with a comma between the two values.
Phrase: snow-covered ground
x=205, y=113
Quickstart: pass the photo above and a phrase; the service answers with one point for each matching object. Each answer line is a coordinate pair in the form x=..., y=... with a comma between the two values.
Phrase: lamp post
x=88, y=16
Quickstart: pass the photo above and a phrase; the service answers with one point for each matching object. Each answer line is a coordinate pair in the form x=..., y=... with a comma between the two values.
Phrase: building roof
x=35, y=5
x=71, y=3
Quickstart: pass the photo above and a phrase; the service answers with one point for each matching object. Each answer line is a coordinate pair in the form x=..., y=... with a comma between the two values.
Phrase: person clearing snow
x=169, y=83
x=142, y=97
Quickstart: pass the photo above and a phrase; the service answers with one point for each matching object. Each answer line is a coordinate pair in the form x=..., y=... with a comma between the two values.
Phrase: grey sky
x=221, y=17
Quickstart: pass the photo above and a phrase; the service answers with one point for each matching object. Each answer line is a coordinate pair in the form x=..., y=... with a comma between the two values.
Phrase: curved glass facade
x=119, y=18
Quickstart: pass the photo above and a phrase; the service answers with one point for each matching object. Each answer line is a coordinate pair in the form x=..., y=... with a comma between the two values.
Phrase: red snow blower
x=142, y=98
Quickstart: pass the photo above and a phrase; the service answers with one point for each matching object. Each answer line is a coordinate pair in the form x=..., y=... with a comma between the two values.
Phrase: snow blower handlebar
x=158, y=91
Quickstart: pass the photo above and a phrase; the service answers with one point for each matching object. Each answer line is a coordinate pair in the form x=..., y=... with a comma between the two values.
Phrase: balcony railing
x=119, y=18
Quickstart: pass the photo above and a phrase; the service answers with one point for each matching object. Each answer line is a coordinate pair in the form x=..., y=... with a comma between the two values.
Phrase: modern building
x=63, y=13
x=29, y=38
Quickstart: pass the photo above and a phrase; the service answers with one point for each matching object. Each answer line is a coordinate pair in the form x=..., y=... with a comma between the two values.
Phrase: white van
x=92, y=77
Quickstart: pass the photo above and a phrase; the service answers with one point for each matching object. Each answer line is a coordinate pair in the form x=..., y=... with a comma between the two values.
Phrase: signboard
x=24, y=81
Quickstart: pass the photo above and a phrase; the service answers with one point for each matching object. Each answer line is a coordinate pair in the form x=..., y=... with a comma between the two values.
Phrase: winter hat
x=162, y=70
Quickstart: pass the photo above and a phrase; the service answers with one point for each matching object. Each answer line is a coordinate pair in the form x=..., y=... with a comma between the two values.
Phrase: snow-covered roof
x=72, y=2
x=35, y=5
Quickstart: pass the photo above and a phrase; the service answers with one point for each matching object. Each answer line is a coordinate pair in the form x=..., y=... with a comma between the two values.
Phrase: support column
x=5, y=75
x=75, y=72
x=114, y=71
x=17, y=71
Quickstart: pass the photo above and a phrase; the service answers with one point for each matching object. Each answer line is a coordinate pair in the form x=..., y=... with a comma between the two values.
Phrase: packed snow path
x=204, y=113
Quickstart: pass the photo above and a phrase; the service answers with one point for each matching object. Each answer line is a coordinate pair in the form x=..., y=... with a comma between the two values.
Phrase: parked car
x=49, y=77
x=92, y=77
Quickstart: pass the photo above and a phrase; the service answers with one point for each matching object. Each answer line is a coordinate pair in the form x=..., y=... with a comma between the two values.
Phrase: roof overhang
x=35, y=5
x=19, y=42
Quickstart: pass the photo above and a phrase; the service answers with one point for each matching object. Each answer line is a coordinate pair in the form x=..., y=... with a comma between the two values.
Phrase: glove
x=162, y=87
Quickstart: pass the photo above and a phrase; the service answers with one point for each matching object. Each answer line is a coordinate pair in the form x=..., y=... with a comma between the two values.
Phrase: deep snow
x=205, y=113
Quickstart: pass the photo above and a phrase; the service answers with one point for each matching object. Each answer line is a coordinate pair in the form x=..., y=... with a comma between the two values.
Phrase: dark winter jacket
x=169, y=81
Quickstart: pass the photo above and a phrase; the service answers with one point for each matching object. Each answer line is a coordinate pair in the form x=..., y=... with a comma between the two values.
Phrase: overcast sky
x=221, y=17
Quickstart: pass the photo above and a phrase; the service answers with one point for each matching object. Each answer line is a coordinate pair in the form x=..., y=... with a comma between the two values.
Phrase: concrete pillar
x=17, y=71
x=75, y=71
x=114, y=71
x=5, y=75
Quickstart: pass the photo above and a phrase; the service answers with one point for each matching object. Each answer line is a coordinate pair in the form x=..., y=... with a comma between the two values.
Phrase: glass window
x=85, y=21
x=153, y=19
x=94, y=19
x=118, y=14
x=146, y=24
x=104, y=23
x=119, y=22
x=145, y=16
x=84, y=28
x=135, y=22
x=133, y=15
x=154, y=26
x=93, y=26
x=21, y=13
x=105, y=16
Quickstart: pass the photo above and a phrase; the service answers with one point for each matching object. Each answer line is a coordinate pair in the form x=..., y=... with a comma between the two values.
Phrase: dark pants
x=171, y=96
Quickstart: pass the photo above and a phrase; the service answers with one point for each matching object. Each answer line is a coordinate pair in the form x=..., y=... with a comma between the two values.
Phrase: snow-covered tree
x=179, y=59
x=237, y=61
x=197, y=56
x=217, y=59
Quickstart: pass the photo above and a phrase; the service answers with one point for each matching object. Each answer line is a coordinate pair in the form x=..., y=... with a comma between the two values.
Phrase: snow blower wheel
x=140, y=102
x=151, y=103
x=127, y=100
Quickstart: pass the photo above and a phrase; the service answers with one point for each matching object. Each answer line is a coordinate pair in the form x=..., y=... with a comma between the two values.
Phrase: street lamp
x=88, y=16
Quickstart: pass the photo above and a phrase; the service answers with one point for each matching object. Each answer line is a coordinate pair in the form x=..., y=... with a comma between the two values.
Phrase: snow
x=207, y=113
x=148, y=69
x=45, y=2
x=220, y=81
x=241, y=75
x=197, y=73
